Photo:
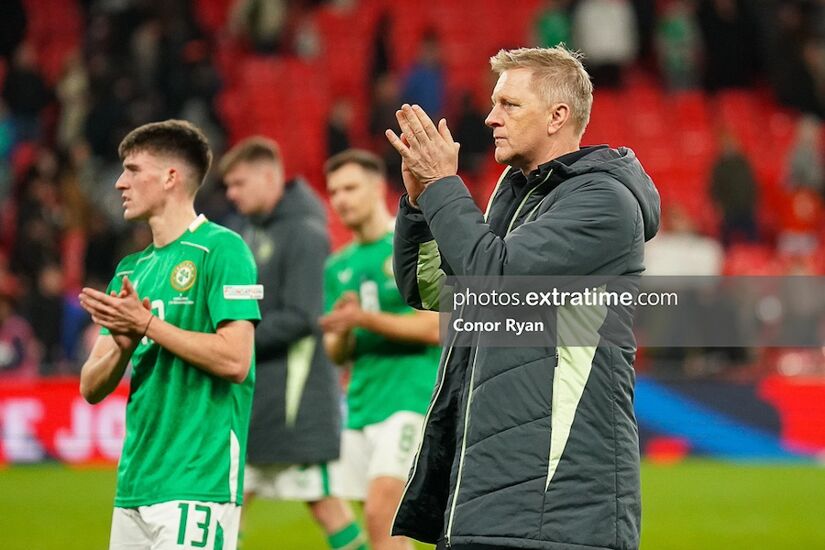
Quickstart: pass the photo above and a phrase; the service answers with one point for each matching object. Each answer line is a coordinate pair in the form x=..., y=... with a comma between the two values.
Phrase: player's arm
x=339, y=340
x=227, y=353
x=302, y=295
x=418, y=268
x=420, y=327
x=103, y=370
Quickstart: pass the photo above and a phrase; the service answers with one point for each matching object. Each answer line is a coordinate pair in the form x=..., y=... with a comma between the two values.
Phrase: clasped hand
x=427, y=153
x=122, y=313
x=345, y=315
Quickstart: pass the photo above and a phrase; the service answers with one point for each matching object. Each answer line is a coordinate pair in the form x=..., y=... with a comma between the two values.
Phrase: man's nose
x=493, y=119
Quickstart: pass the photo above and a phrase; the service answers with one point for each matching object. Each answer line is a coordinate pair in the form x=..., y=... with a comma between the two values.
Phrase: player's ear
x=381, y=183
x=171, y=177
x=278, y=176
x=557, y=117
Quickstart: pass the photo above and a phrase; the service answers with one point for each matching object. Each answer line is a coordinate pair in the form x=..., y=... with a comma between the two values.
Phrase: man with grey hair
x=525, y=447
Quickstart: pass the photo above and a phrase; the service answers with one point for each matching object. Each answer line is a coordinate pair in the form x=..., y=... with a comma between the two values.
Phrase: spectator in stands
x=473, y=135
x=339, y=126
x=101, y=247
x=424, y=83
x=73, y=94
x=145, y=50
x=677, y=251
x=678, y=42
x=184, y=70
x=26, y=93
x=6, y=147
x=262, y=22
x=801, y=218
x=381, y=46
x=729, y=36
x=108, y=118
x=645, y=12
x=38, y=226
x=198, y=97
x=605, y=30
x=552, y=26
x=796, y=74
x=805, y=169
x=18, y=348
x=681, y=250
x=12, y=27
x=734, y=189
x=386, y=97
x=44, y=310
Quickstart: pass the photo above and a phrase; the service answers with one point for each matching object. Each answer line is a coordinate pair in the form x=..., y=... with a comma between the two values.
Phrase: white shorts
x=384, y=449
x=176, y=525
x=289, y=482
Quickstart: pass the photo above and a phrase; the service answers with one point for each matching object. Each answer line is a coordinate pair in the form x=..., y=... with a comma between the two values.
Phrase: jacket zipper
x=524, y=200
x=472, y=381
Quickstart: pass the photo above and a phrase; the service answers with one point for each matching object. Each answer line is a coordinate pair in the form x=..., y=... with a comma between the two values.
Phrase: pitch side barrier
x=626, y=311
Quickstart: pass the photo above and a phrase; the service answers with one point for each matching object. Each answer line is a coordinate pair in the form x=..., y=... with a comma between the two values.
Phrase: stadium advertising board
x=49, y=420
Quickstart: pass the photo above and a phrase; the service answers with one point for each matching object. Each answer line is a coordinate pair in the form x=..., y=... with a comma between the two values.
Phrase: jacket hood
x=622, y=165
x=298, y=201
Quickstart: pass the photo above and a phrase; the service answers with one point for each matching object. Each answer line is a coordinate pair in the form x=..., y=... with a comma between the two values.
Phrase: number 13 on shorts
x=203, y=526
x=176, y=525
x=207, y=525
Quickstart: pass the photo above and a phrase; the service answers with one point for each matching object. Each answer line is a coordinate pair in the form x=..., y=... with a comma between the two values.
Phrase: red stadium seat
x=752, y=259
x=54, y=29
x=213, y=14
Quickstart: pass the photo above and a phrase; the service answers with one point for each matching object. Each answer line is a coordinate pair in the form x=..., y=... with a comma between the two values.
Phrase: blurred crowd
x=64, y=110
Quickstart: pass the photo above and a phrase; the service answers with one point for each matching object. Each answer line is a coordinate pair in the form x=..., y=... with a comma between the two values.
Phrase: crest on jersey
x=345, y=275
x=183, y=276
x=264, y=250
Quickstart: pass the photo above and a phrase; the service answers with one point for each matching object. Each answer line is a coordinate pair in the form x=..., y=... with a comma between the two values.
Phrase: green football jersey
x=186, y=429
x=387, y=376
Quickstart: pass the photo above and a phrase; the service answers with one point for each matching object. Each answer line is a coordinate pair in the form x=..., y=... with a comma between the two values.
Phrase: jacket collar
x=557, y=165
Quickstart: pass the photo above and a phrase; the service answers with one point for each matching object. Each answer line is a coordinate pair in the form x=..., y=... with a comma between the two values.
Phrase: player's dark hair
x=366, y=160
x=252, y=149
x=171, y=137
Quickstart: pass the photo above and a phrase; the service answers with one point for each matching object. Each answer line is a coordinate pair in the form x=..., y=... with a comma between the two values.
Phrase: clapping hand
x=123, y=313
x=345, y=314
x=427, y=153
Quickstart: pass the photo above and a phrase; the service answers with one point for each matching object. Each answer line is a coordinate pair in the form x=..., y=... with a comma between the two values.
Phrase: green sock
x=348, y=538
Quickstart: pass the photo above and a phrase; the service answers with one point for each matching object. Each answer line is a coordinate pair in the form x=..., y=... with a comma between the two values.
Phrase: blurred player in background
x=190, y=340
x=295, y=427
x=392, y=348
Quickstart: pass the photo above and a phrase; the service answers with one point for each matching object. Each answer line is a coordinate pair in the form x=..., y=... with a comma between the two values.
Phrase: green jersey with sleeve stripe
x=186, y=429
x=387, y=376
